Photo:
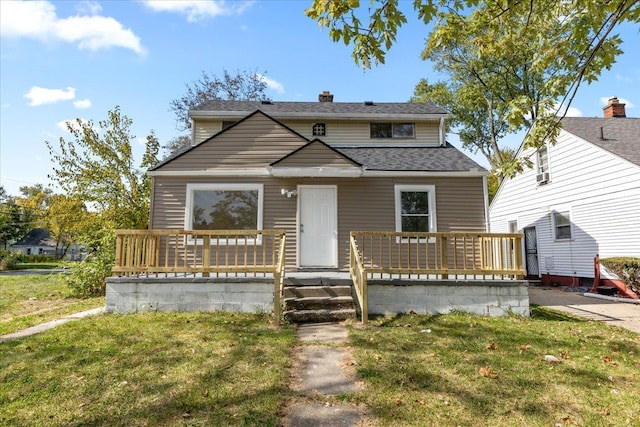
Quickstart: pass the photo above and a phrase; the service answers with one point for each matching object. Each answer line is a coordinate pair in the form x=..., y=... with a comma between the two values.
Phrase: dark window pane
x=225, y=210
x=381, y=130
x=563, y=232
x=415, y=223
x=403, y=130
x=415, y=202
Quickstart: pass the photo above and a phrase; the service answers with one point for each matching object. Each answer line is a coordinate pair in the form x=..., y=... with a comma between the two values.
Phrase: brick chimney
x=327, y=96
x=614, y=108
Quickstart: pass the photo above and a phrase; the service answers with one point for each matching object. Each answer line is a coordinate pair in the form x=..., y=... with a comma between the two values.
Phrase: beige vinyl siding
x=364, y=204
x=258, y=142
x=338, y=132
x=315, y=155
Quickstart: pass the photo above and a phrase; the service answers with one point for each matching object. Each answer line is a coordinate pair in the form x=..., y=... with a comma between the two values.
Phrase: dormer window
x=392, y=130
x=319, y=129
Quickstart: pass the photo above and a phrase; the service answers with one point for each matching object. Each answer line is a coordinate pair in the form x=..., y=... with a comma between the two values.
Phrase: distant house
x=39, y=242
x=581, y=199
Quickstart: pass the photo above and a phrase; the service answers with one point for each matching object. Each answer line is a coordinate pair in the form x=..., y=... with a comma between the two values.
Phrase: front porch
x=389, y=272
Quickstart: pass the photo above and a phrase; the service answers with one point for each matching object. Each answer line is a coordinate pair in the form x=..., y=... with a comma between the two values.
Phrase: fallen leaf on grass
x=491, y=346
x=186, y=415
x=564, y=354
x=608, y=359
x=524, y=348
x=398, y=402
x=487, y=372
x=605, y=411
x=432, y=355
x=420, y=402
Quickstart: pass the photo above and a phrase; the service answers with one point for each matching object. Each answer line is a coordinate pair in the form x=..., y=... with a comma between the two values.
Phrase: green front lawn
x=465, y=370
x=30, y=299
x=153, y=369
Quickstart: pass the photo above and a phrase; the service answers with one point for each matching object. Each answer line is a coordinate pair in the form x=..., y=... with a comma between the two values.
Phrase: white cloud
x=40, y=95
x=82, y=103
x=623, y=79
x=605, y=101
x=89, y=8
x=272, y=84
x=73, y=122
x=568, y=112
x=197, y=10
x=38, y=20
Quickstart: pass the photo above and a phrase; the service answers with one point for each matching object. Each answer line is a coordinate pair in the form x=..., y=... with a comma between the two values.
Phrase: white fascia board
x=399, y=174
x=317, y=115
x=217, y=172
x=316, y=172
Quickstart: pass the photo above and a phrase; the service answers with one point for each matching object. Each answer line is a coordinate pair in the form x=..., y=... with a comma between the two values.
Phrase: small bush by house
x=627, y=269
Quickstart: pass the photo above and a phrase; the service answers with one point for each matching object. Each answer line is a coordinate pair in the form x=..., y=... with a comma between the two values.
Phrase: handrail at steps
x=278, y=276
x=359, y=278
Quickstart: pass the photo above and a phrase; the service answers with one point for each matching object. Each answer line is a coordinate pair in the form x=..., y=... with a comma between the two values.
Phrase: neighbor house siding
x=600, y=190
x=338, y=132
x=364, y=204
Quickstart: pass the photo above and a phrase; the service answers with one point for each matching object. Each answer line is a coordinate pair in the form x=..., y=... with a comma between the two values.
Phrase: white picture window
x=224, y=207
x=562, y=225
x=392, y=130
x=415, y=208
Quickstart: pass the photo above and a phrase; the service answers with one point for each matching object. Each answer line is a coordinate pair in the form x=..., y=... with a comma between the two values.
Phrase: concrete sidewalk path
x=326, y=370
x=49, y=325
x=624, y=315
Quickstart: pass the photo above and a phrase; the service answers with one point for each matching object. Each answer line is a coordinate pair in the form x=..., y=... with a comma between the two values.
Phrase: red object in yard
x=597, y=281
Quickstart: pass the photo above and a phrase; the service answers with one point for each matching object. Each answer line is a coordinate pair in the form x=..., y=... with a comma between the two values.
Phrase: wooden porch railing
x=470, y=256
x=224, y=253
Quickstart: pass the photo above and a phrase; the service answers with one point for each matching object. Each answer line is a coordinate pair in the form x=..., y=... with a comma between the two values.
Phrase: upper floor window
x=562, y=225
x=319, y=129
x=226, y=124
x=392, y=130
x=542, y=175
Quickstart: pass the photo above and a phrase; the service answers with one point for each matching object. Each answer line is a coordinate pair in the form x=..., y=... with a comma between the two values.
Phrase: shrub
x=8, y=260
x=627, y=269
x=88, y=277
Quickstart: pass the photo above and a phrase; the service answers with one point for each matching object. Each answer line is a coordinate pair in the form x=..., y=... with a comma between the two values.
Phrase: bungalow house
x=37, y=242
x=351, y=185
x=580, y=200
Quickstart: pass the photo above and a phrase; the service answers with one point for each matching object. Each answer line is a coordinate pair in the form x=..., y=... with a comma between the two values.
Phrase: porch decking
x=389, y=272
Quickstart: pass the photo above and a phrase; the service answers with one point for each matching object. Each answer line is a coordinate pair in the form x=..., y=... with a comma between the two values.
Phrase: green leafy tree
x=97, y=168
x=66, y=217
x=512, y=61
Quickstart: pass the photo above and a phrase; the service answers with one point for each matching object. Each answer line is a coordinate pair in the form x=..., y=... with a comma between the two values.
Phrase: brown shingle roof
x=275, y=108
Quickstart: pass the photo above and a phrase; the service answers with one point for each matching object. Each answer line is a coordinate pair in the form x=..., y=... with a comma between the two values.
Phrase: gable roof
x=328, y=152
x=184, y=150
x=36, y=237
x=621, y=135
x=433, y=159
x=336, y=110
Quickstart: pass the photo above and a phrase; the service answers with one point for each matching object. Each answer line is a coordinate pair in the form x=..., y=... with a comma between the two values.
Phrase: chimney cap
x=325, y=96
x=614, y=108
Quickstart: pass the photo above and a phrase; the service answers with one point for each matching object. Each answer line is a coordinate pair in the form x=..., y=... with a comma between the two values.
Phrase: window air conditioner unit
x=542, y=177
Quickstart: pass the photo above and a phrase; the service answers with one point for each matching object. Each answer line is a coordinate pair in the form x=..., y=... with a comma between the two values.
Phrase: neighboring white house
x=581, y=199
x=39, y=242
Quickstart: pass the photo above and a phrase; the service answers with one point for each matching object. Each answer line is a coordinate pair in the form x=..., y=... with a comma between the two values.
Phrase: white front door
x=317, y=226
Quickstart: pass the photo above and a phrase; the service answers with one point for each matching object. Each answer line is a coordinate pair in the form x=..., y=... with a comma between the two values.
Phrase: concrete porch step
x=319, y=303
x=319, y=316
x=318, y=291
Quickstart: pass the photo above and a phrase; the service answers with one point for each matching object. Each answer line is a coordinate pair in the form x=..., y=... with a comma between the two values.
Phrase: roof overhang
x=222, y=115
x=315, y=172
x=211, y=172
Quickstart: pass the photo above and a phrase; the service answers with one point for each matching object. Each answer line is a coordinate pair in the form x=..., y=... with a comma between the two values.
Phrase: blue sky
x=69, y=59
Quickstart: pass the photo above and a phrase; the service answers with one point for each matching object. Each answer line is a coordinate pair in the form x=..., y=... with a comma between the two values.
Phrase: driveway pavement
x=625, y=315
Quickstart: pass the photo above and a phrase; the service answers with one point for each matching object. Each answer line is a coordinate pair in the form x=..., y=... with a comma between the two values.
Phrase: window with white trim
x=392, y=130
x=415, y=208
x=542, y=157
x=562, y=225
x=224, y=207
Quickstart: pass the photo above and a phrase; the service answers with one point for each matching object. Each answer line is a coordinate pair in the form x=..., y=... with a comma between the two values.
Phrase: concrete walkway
x=326, y=371
x=49, y=325
x=625, y=315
